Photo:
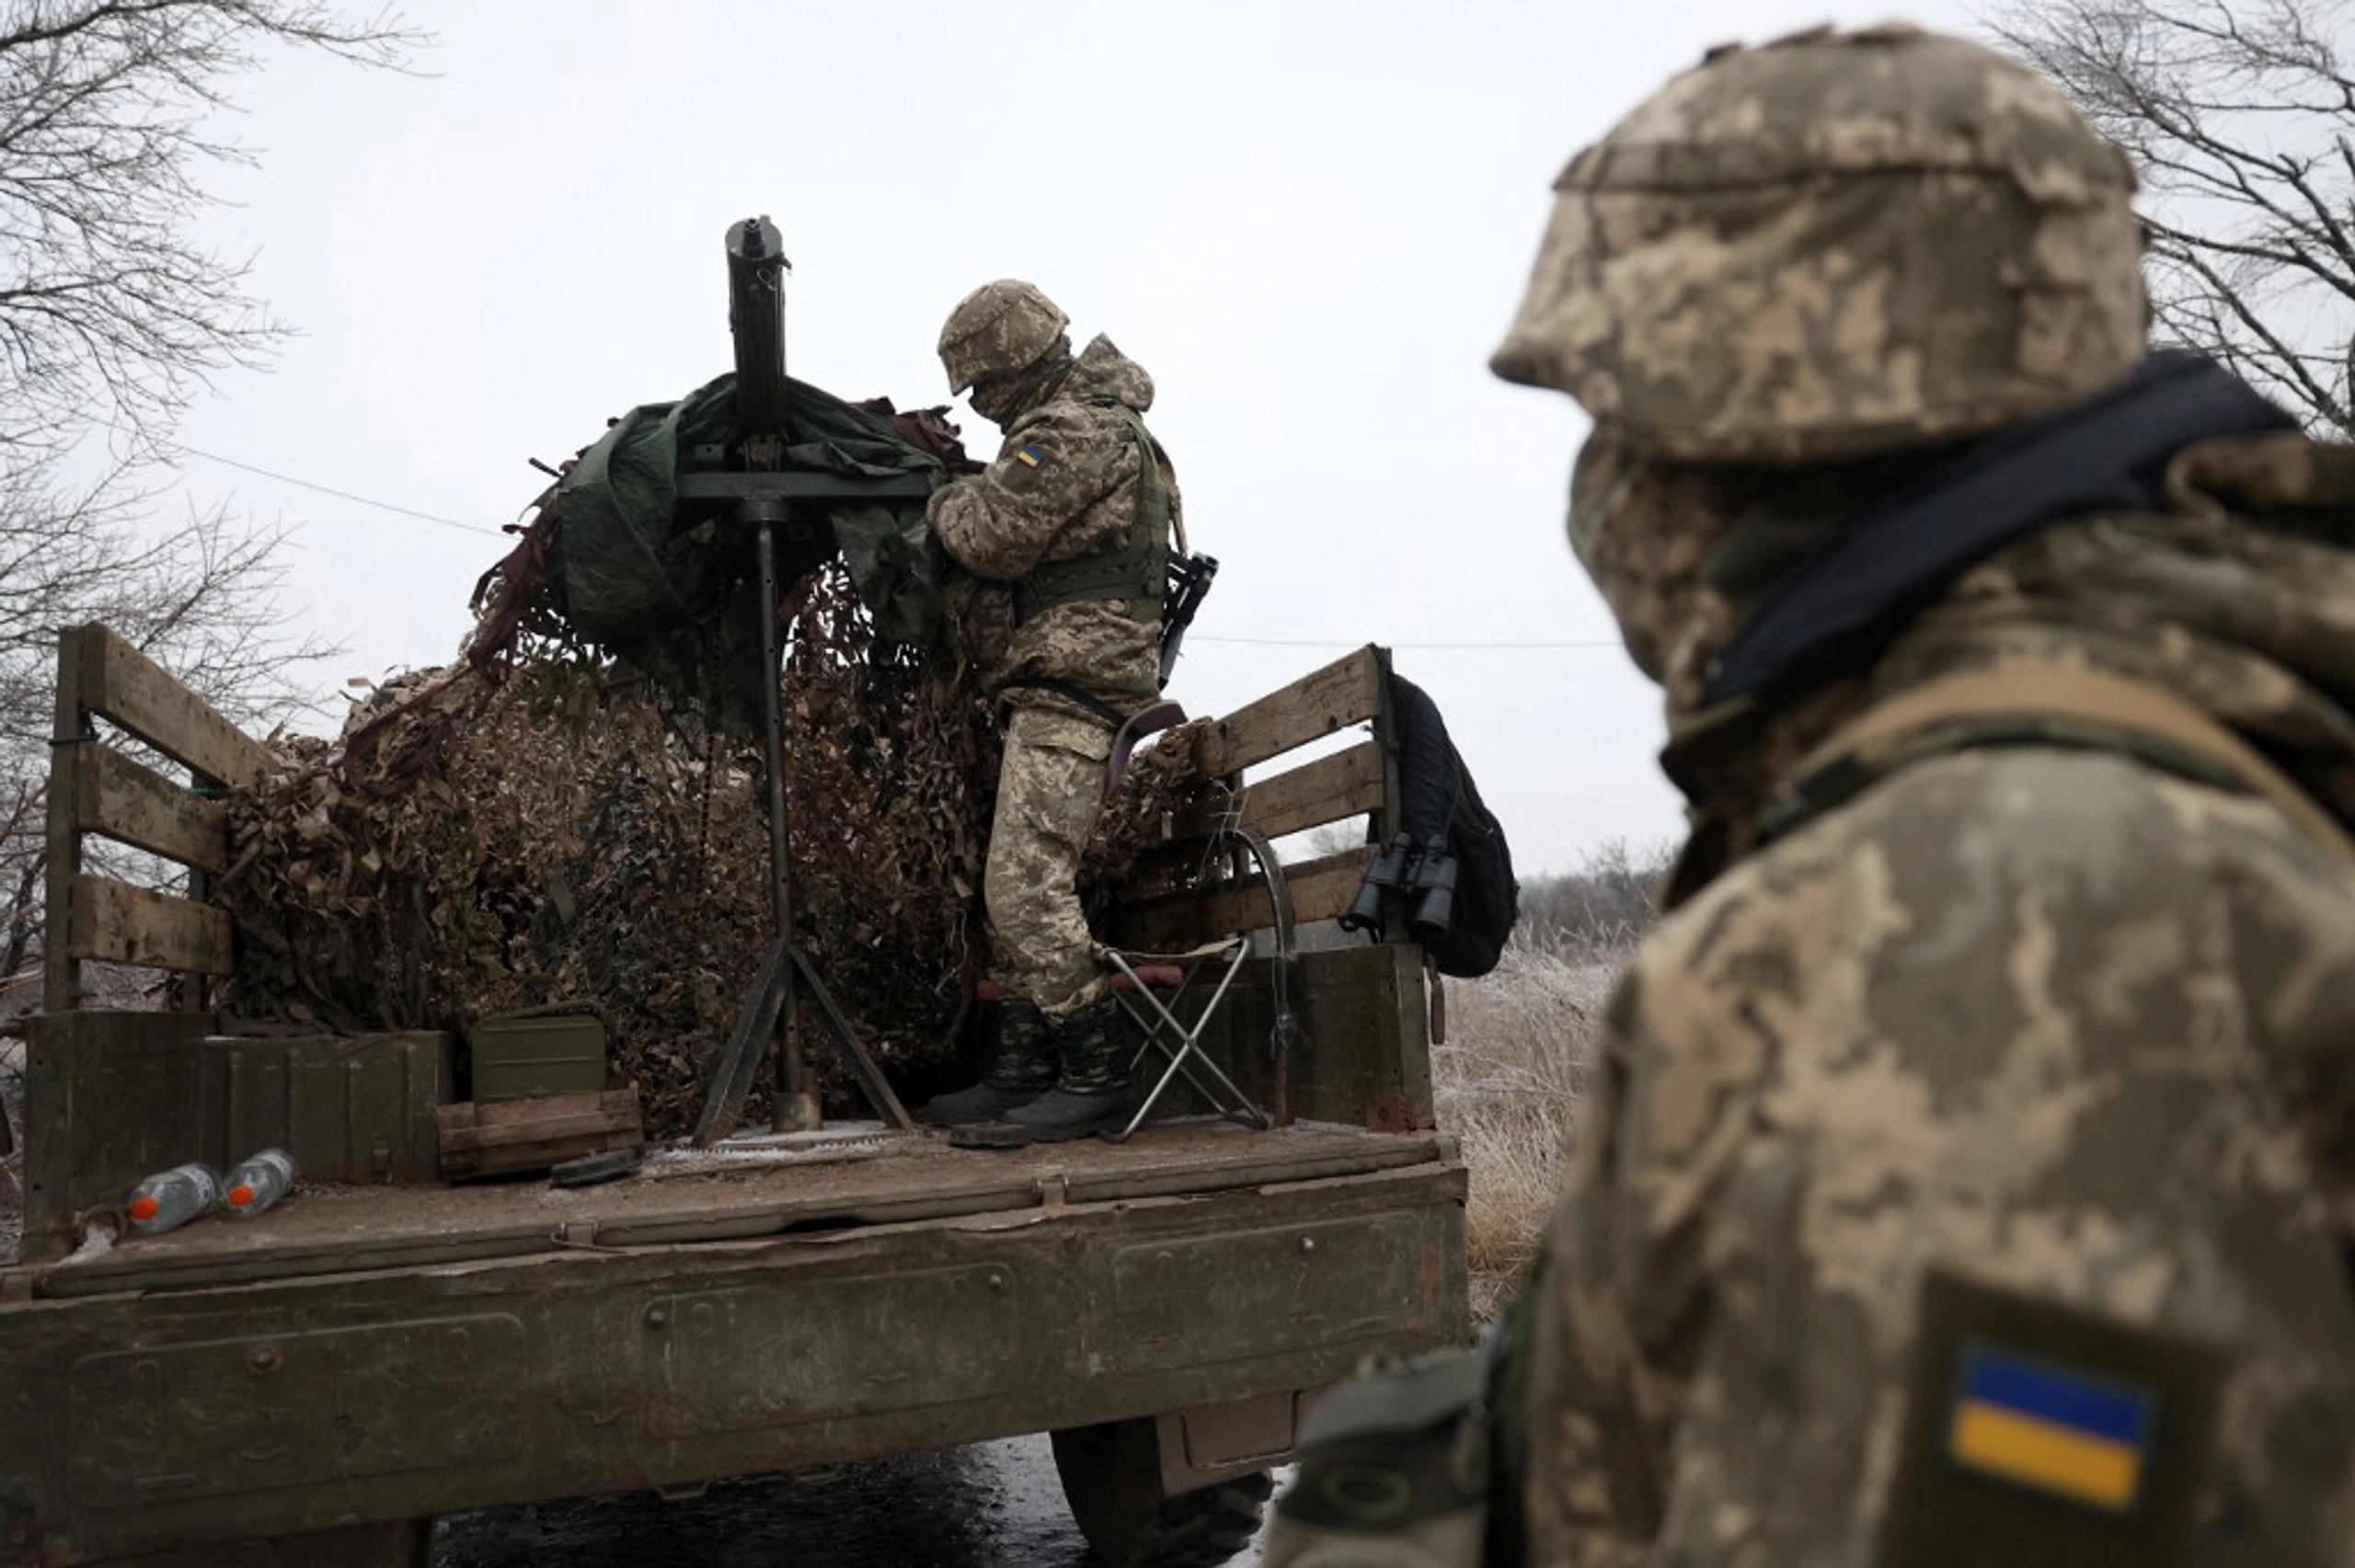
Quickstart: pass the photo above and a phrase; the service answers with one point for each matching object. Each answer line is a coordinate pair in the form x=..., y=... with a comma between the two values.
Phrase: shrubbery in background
x=1601, y=908
x=1509, y=1074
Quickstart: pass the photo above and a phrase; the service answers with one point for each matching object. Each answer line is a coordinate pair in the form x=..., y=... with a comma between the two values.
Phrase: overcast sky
x=1309, y=219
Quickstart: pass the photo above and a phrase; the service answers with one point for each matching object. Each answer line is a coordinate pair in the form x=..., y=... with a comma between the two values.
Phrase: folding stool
x=1139, y=982
x=1152, y=988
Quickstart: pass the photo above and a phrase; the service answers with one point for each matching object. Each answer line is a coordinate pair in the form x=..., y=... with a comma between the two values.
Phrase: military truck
x=315, y=1384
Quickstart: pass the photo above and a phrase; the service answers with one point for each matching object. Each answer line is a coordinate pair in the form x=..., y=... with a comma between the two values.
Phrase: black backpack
x=1450, y=859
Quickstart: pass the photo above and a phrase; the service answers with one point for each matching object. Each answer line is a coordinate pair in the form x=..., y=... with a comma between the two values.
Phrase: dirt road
x=993, y=1506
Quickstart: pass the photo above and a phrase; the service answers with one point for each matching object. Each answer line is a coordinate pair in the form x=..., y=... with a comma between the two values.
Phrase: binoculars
x=1425, y=875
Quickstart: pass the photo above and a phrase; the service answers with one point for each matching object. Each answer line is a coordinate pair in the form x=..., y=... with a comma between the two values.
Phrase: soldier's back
x=2053, y=1031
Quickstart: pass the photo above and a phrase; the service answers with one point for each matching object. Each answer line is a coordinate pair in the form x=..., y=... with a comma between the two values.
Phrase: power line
x=1248, y=642
x=331, y=490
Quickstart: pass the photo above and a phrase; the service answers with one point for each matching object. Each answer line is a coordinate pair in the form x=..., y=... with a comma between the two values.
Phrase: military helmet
x=998, y=329
x=1835, y=245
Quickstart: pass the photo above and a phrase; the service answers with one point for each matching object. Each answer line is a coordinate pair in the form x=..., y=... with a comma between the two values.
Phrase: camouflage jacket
x=2054, y=1014
x=1064, y=484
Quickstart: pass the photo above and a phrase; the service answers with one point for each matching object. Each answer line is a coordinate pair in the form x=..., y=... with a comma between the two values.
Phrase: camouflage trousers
x=1050, y=789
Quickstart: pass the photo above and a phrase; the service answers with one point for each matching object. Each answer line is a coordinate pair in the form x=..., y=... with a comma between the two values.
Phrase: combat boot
x=1092, y=1092
x=1022, y=1067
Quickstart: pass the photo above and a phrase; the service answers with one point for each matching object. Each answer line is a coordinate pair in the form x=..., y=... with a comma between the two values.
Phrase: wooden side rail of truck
x=316, y=1383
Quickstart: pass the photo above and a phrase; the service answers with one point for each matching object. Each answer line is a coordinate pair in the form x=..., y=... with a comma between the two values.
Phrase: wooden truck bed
x=319, y=1382
x=850, y=1175
x=369, y=1358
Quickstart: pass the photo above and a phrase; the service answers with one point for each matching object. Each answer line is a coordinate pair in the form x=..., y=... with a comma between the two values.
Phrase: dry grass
x=1507, y=1084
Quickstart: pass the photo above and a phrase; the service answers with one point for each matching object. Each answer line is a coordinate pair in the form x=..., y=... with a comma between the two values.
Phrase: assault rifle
x=1189, y=584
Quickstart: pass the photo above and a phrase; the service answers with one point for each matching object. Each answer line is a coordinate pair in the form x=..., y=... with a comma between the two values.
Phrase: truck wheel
x=1111, y=1477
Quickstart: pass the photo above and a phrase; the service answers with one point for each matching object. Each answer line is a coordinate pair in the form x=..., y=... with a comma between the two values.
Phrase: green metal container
x=348, y=1109
x=516, y=1058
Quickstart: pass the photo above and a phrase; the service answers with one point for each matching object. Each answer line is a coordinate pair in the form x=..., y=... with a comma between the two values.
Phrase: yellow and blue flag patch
x=2066, y=1434
x=1029, y=456
x=2040, y=1434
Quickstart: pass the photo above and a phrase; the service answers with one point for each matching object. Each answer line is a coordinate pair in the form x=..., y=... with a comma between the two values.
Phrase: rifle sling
x=2042, y=700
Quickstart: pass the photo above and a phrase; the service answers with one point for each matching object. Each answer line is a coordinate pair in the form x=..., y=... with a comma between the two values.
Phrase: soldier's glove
x=1395, y=1471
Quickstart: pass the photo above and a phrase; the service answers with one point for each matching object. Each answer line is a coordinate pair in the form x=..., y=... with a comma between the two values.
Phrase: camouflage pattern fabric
x=1681, y=553
x=1064, y=484
x=1050, y=789
x=2057, y=1016
x=1834, y=245
x=2253, y=621
x=2054, y=1016
x=997, y=329
x=1001, y=398
x=2050, y=1017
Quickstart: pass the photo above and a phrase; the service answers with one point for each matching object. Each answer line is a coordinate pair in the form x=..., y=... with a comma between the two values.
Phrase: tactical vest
x=1138, y=568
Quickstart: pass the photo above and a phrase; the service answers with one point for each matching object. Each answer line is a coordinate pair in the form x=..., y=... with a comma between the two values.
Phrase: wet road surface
x=992, y=1505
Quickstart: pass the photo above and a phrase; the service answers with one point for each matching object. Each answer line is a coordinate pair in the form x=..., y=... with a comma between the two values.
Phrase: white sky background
x=1310, y=220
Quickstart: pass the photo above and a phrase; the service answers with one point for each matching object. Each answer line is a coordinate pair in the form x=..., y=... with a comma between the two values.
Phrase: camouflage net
x=566, y=834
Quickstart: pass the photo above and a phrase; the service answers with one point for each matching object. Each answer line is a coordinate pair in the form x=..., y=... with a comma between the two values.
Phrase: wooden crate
x=511, y=1136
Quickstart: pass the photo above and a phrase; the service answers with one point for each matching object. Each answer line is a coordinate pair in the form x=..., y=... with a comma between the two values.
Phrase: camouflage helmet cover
x=1835, y=245
x=996, y=330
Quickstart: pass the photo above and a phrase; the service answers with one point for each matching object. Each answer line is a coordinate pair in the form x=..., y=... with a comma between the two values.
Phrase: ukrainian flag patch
x=2051, y=1429
x=1029, y=456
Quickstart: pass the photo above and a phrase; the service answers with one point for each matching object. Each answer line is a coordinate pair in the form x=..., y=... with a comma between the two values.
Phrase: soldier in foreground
x=1968, y=1165
x=1065, y=535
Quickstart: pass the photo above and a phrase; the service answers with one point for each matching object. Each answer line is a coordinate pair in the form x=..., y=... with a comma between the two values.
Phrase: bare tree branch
x=111, y=317
x=2242, y=118
x=2279, y=358
x=106, y=299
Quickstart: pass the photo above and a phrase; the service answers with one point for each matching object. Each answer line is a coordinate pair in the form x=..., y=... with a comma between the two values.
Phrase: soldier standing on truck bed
x=1067, y=532
x=1968, y=1167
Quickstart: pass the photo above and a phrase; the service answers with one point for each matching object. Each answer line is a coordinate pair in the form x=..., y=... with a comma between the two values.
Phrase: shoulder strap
x=1153, y=494
x=1848, y=595
x=2049, y=700
x=1138, y=568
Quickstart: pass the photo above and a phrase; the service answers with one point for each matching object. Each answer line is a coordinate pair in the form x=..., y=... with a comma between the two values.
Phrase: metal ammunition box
x=350, y=1109
x=514, y=1058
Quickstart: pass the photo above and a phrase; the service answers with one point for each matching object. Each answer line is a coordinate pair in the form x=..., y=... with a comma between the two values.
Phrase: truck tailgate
x=396, y=1354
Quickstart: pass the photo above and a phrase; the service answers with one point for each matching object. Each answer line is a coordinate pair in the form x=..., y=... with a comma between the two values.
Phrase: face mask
x=1642, y=529
x=1683, y=552
x=996, y=401
x=1001, y=398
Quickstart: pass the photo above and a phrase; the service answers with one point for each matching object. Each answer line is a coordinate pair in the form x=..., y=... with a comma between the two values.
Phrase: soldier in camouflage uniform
x=1064, y=538
x=1968, y=1173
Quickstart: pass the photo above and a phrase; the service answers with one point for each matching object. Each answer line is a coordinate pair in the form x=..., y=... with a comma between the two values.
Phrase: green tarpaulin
x=669, y=585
